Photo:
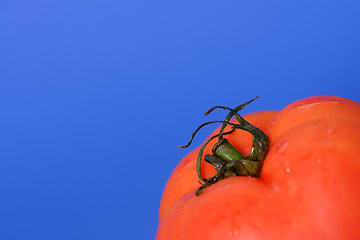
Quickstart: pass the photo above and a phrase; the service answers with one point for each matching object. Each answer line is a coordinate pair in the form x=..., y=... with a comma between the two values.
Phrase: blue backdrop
x=95, y=96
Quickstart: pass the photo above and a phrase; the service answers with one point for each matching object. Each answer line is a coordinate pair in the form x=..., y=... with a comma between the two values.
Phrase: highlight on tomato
x=288, y=174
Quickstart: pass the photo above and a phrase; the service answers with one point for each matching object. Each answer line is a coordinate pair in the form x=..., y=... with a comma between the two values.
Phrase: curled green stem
x=227, y=160
x=231, y=114
x=195, y=132
x=201, y=152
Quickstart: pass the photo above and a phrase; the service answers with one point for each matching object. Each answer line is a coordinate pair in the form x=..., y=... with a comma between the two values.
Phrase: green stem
x=225, y=151
x=198, y=162
x=227, y=160
x=230, y=115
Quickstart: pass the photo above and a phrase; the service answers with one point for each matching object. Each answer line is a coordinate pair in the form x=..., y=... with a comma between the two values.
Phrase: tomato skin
x=308, y=187
x=236, y=208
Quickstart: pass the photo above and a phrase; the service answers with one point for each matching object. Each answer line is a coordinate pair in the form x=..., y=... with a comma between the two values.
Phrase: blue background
x=95, y=96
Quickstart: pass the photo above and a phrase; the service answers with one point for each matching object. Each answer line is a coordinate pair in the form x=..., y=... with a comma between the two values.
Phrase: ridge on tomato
x=307, y=187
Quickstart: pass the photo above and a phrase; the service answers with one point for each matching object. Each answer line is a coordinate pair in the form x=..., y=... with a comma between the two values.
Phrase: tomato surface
x=308, y=187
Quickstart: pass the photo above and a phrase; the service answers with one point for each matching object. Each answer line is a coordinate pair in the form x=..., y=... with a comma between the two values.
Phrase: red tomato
x=307, y=189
